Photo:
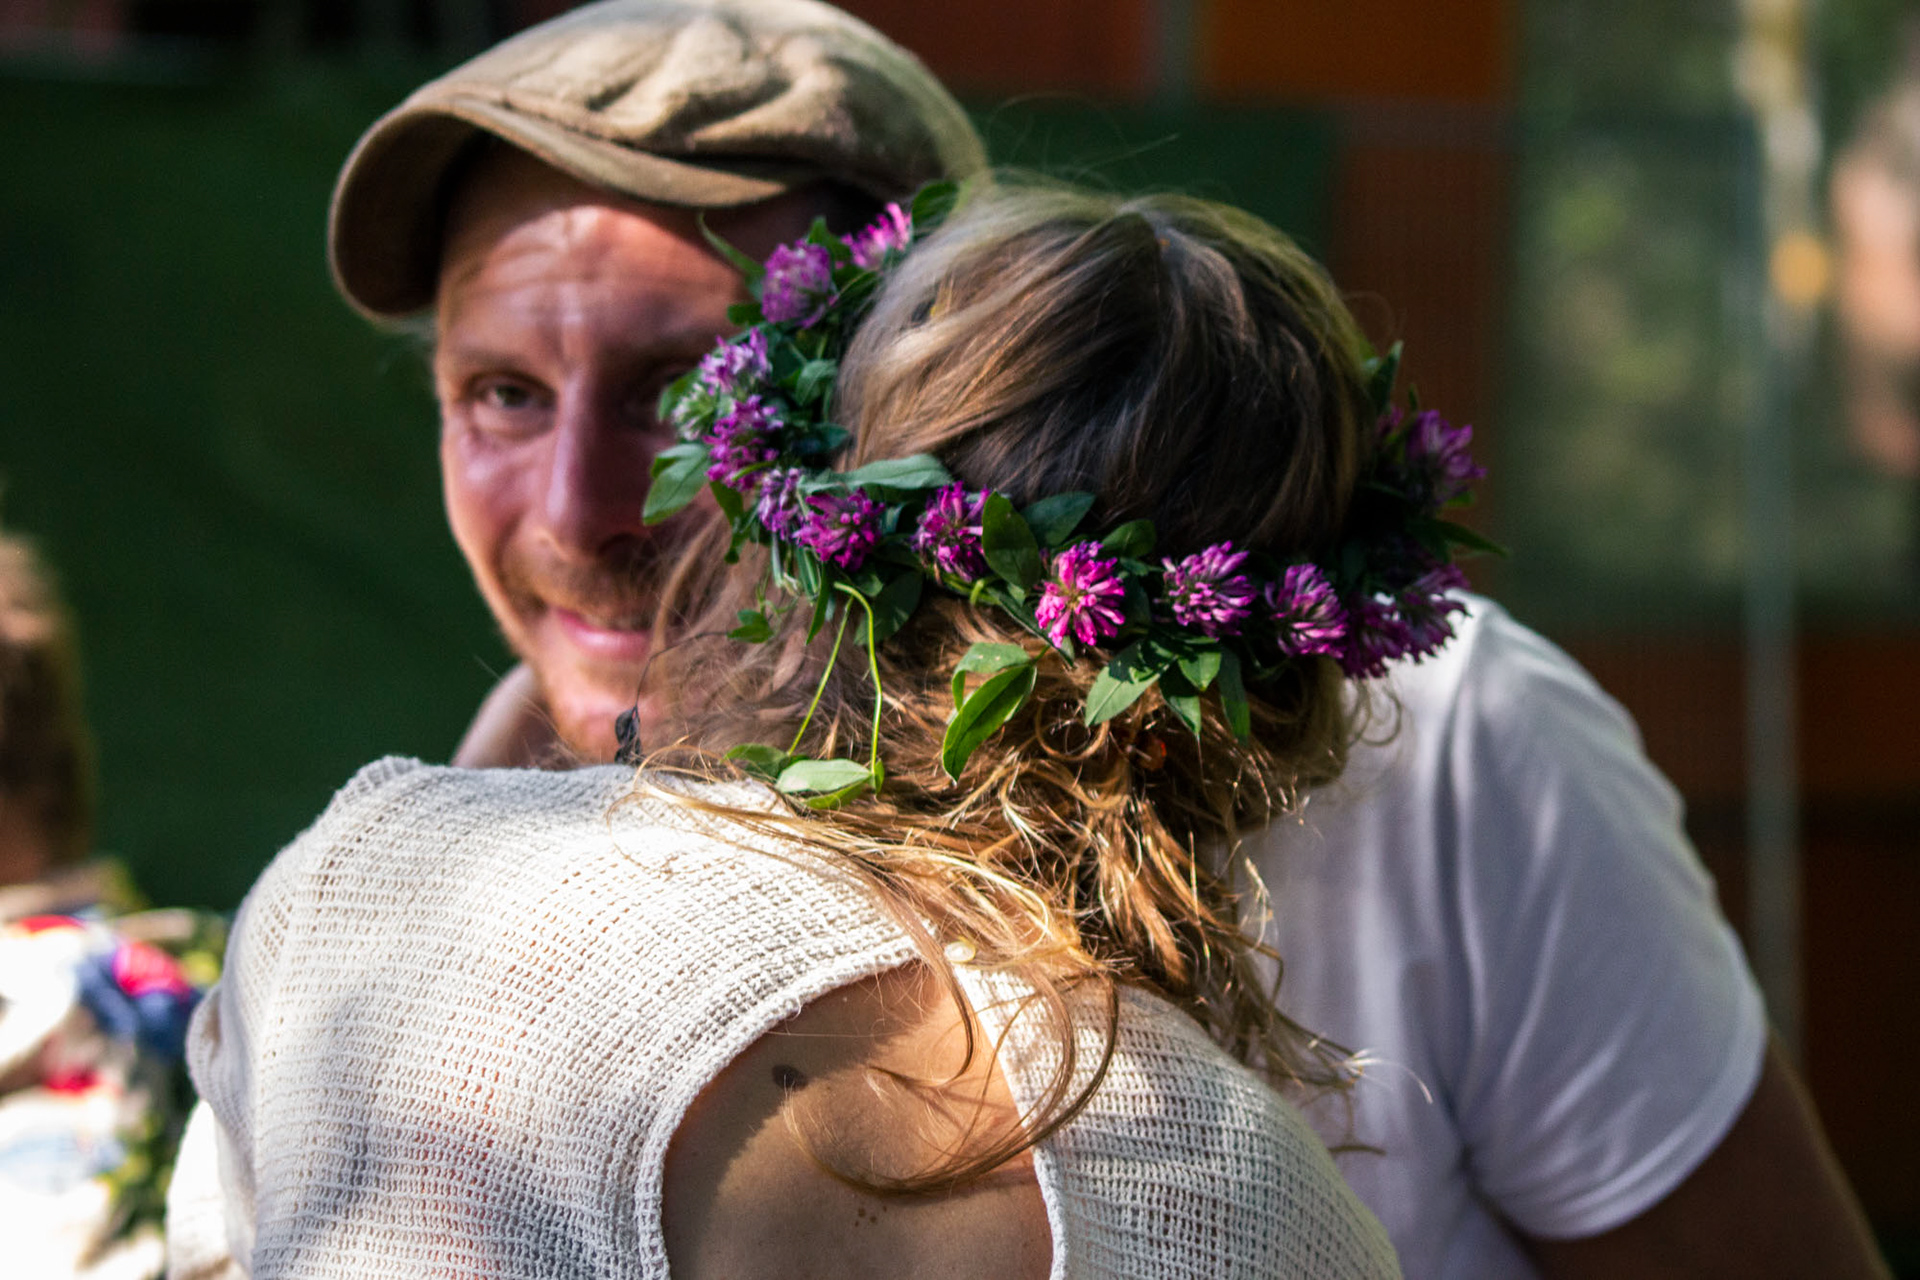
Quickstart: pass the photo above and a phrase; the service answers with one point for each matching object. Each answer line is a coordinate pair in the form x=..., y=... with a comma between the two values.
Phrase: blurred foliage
x=1633, y=350
x=1653, y=57
x=1860, y=47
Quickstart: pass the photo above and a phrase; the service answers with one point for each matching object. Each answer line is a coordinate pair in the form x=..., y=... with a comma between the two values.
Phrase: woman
x=956, y=985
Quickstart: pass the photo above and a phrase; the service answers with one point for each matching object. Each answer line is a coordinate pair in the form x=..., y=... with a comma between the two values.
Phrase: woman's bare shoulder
x=874, y=1080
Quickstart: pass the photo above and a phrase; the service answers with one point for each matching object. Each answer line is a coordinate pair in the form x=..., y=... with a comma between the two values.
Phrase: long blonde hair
x=1187, y=364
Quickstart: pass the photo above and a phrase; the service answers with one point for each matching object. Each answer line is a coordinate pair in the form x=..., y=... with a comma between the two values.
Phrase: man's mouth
x=604, y=639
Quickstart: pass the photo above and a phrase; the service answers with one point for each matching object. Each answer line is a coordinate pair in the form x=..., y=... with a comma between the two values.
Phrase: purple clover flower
x=799, y=283
x=1081, y=598
x=1426, y=609
x=741, y=441
x=737, y=366
x=1441, y=452
x=1207, y=593
x=842, y=528
x=781, y=506
x=949, y=531
x=1307, y=616
x=890, y=232
x=1438, y=464
x=1376, y=636
x=1413, y=623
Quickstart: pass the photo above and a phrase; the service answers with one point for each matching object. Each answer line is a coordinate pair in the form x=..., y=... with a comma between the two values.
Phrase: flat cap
x=696, y=103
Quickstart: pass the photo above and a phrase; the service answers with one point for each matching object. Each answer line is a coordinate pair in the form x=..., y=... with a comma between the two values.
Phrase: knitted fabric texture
x=465, y=1011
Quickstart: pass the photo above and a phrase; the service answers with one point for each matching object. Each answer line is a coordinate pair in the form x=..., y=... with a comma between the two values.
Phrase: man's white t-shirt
x=1498, y=909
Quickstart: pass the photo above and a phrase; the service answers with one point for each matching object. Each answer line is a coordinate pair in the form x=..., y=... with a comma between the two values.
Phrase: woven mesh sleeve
x=1184, y=1164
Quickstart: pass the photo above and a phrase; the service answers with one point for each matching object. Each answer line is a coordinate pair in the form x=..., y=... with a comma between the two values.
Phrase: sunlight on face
x=563, y=311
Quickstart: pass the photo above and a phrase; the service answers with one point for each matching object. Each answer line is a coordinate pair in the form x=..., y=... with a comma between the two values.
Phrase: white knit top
x=465, y=1011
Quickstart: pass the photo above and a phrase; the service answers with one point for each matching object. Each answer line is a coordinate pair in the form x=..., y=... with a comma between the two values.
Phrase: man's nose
x=597, y=477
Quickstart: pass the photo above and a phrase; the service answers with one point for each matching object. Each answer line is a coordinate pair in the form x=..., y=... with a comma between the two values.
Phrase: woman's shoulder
x=404, y=841
x=398, y=801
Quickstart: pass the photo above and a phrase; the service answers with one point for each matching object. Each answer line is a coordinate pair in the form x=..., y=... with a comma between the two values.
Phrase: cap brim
x=385, y=224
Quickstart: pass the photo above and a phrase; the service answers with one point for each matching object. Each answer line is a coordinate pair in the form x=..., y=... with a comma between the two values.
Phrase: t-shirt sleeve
x=1615, y=1032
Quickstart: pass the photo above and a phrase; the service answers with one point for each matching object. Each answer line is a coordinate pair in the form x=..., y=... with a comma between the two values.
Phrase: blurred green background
x=235, y=479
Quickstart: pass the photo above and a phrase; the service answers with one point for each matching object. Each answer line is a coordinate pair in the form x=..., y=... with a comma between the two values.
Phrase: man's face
x=562, y=313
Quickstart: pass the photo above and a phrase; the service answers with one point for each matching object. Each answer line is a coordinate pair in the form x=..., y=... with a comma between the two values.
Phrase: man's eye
x=507, y=395
x=507, y=407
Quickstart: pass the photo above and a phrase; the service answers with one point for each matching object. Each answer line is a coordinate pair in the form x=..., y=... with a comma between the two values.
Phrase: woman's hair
x=45, y=757
x=1187, y=364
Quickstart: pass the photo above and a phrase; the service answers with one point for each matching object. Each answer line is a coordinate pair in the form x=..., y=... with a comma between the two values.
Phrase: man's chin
x=585, y=725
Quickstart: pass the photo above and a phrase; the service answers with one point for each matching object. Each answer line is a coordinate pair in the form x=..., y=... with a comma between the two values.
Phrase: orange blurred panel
x=1105, y=47
x=1025, y=46
x=1459, y=51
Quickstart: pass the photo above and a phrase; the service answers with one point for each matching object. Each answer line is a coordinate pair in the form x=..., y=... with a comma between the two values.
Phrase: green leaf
x=745, y=313
x=921, y=471
x=761, y=761
x=1233, y=696
x=675, y=390
x=1053, y=519
x=678, y=474
x=1382, y=372
x=1182, y=697
x=813, y=380
x=820, y=775
x=834, y=799
x=677, y=452
x=813, y=776
x=1200, y=664
x=985, y=658
x=740, y=262
x=827, y=439
x=730, y=503
x=1459, y=533
x=1130, y=674
x=824, y=604
x=981, y=715
x=821, y=234
x=895, y=603
x=1135, y=538
x=807, y=570
x=753, y=629
x=931, y=205
x=1008, y=543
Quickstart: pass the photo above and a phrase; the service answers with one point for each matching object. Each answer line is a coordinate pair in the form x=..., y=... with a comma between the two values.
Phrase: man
x=568, y=282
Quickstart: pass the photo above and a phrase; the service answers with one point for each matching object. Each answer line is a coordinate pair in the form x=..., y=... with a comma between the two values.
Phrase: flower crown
x=753, y=427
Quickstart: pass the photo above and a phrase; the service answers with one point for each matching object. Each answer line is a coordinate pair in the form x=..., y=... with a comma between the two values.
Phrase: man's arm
x=512, y=729
x=1769, y=1201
